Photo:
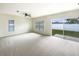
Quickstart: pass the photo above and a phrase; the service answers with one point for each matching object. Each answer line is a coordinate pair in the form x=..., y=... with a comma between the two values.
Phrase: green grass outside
x=68, y=33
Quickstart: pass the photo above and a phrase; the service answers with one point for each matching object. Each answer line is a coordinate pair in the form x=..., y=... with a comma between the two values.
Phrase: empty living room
x=39, y=29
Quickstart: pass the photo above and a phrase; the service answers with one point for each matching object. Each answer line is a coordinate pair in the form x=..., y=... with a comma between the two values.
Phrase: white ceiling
x=36, y=9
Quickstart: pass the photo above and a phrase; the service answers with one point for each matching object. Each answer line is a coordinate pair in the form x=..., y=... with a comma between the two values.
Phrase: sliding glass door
x=71, y=27
x=65, y=27
x=58, y=27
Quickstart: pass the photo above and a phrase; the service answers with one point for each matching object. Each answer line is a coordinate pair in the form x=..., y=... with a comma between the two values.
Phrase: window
x=40, y=26
x=11, y=25
x=37, y=26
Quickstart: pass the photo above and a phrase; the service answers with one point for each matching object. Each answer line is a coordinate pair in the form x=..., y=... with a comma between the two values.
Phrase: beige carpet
x=33, y=44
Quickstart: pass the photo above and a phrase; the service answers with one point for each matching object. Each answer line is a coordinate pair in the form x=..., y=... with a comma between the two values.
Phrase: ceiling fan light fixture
x=25, y=14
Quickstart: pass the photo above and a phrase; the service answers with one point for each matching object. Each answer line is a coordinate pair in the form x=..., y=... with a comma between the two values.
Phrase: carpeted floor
x=33, y=44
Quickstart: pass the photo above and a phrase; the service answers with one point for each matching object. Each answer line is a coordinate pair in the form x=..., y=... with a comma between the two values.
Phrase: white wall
x=68, y=14
x=22, y=25
x=48, y=20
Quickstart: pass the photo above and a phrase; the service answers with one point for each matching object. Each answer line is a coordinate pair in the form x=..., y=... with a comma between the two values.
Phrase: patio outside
x=66, y=27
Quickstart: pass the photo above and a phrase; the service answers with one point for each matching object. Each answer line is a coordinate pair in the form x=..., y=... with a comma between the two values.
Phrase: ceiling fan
x=23, y=13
